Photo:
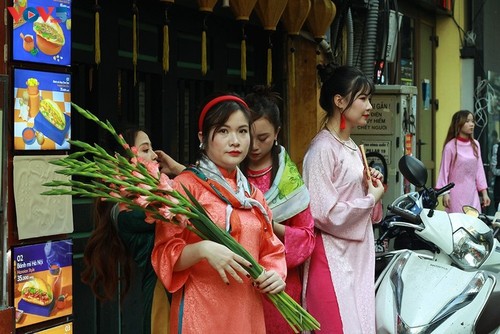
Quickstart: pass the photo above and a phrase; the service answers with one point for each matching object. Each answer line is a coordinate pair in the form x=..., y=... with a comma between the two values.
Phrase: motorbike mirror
x=413, y=170
x=470, y=211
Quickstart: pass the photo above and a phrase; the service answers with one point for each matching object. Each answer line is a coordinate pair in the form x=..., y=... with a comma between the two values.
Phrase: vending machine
x=390, y=134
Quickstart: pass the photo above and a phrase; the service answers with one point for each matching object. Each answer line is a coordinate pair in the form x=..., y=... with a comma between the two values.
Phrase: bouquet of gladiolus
x=137, y=184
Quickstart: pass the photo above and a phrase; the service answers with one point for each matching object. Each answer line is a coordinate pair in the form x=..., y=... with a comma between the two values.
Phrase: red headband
x=213, y=102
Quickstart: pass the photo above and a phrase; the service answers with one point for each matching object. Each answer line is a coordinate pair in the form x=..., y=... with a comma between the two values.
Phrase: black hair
x=346, y=81
x=263, y=103
x=218, y=115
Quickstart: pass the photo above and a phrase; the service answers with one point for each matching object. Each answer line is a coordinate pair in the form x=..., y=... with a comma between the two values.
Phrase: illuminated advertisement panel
x=42, y=110
x=41, y=31
x=43, y=281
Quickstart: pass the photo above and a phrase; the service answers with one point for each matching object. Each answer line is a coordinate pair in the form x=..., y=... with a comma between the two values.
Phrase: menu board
x=42, y=110
x=41, y=31
x=43, y=282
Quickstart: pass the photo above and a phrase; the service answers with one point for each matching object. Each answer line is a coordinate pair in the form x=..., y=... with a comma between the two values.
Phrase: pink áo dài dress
x=466, y=171
x=289, y=194
x=339, y=278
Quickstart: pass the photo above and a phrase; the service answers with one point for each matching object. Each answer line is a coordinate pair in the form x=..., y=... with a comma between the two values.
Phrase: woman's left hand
x=270, y=282
x=376, y=174
x=486, y=200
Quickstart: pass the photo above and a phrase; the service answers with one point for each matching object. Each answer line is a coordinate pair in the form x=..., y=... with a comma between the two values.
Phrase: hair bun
x=325, y=72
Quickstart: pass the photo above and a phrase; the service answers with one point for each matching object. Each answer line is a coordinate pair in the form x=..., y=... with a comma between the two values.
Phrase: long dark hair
x=105, y=253
x=346, y=81
x=263, y=103
x=457, y=122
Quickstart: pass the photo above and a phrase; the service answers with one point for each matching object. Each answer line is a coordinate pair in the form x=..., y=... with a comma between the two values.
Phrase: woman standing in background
x=461, y=163
x=269, y=168
x=122, y=236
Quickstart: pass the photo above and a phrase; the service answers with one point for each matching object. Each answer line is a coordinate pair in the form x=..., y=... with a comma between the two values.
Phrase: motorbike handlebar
x=444, y=189
x=404, y=213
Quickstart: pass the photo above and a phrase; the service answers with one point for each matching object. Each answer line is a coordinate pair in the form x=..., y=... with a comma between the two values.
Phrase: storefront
x=151, y=63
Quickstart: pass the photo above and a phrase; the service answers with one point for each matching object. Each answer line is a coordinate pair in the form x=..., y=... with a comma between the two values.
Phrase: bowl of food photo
x=29, y=135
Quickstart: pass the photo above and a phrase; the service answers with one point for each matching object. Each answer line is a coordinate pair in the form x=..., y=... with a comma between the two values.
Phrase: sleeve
x=272, y=250
x=169, y=244
x=299, y=238
x=170, y=240
x=494, y=161
x=343, y=219
x=480, y=175
x=444, y=169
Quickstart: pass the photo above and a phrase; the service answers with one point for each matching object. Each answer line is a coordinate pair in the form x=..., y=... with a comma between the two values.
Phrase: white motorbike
x=447, y=283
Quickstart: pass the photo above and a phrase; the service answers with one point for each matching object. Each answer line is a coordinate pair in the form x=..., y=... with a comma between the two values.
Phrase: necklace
x=264, y=172
x=344, y=143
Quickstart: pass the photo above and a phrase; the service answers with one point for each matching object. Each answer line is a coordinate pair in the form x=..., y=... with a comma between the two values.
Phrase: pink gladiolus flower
x=165, y=212
x=144, y=186
x=137, y=174
x=172, y=199
x=152, y=166
x=165, y=183
x=149, y=218
x=133, y=161
x=183, y=220
x=115, y=195
x=123, y=207
x=141, y=201
x=125, y=145
x=134, y=150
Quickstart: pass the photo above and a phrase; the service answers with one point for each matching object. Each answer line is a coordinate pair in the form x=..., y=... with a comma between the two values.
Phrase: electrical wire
x=486, y=100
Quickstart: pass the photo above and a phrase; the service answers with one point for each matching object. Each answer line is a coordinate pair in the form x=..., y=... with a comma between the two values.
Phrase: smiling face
x=228, y=145
x=264, y=136
x=144, y=147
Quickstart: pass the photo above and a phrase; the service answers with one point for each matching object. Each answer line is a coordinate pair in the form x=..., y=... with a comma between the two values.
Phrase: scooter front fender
x=415, y=295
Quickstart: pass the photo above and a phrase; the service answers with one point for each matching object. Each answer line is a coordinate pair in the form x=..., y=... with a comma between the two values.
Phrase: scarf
x=209, y=175
x=288, y=194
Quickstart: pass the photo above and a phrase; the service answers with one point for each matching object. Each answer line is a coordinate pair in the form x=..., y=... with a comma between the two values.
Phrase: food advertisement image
x=41, y=31
x=43, y=282
x=66, y=328
x=42, y=110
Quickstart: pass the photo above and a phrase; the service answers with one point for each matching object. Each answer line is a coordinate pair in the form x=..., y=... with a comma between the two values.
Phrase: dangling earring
x=342, y=121
x=201, y=146
x=276, y=142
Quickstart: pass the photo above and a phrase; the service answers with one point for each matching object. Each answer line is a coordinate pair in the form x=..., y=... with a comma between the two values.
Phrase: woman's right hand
x=376, y=188
x=225, y=261
x=446, y=201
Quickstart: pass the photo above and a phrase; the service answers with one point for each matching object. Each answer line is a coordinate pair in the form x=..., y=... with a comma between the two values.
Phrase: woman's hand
x=224, y=261
x=486, y=199
x=376, y=188
x=270, y=282
x=446, y=201
x=168, y=165
x=376, y=174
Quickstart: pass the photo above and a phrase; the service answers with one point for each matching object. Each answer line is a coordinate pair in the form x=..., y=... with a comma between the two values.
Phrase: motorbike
x=445, y=281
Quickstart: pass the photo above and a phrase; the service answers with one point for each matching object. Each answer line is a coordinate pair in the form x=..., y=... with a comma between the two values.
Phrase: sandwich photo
x=51, y=111
x=37, y=291
x=49, y=35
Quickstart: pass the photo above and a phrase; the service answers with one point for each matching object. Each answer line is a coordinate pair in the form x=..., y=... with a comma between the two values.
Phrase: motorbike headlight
x=470, y=250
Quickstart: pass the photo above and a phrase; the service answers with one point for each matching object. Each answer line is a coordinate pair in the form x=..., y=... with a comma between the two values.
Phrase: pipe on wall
x=370, y=42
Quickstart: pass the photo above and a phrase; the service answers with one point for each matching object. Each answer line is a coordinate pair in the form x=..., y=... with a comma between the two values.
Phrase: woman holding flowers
x=124, y=235
x=269, y=168
x=212, y=291
x=345, y=201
